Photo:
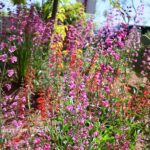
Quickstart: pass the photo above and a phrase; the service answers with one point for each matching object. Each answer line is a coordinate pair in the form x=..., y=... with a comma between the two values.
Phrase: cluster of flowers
x=82, y=83
x=146, y=63
x=24, y=26
x=7, y=56
x=108, y=40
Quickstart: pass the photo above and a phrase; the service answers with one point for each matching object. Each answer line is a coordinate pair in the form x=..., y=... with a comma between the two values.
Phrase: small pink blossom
x=3, y=57
x=21, y=116
x=16, y=97
x=13, y=59
x=16, y=123
x=2, y=45
x=37, y=141
x=23, y=99
x=69, y=108
x=95, y=134
x=14, y=104
x=105, y=103
x=107, y=89
x=10, y=72
x=8, y=86
x=46, y=146
x=7, y=98
x=12, y=49
x=4, y=109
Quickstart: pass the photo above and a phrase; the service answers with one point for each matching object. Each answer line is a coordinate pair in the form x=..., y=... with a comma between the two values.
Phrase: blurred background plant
x=141, y=62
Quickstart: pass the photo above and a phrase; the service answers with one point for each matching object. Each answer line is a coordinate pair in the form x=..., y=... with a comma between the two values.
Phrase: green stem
x=1, y=102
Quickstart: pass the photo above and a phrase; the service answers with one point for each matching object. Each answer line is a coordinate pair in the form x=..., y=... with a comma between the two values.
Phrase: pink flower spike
x=10, y=72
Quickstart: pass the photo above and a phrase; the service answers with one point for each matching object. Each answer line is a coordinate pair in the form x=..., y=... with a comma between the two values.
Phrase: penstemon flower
x=3, y=57
x=76, y=83
x=12, y=49
x=8, y=86
x=10, y=72
x=3, y=45
x=13, y=59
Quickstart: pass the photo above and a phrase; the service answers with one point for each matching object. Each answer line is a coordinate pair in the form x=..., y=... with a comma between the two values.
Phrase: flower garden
x=65, y=86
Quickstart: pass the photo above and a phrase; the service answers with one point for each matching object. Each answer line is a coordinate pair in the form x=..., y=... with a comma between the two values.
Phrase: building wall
x=98, y=9
x=91, y=5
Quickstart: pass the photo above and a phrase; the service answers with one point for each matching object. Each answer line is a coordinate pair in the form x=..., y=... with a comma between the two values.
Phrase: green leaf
x=66, y=127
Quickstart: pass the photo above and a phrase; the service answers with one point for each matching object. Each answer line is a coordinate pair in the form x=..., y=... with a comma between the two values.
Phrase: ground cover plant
x=64, y=86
